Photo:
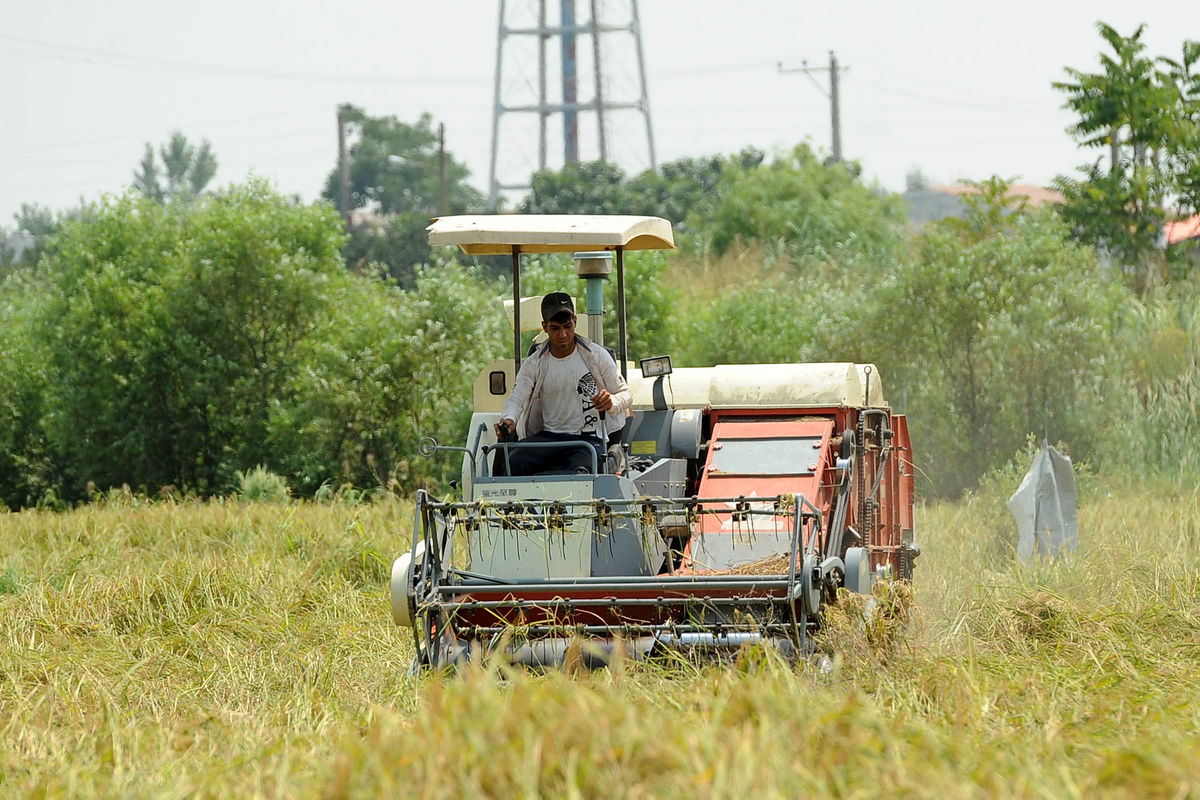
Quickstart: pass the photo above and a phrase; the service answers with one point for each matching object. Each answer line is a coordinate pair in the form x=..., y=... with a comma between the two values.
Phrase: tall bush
x=391, y=368
x=182, y=345
x=998, y=327
x=819, y=212
x=26, y=472
x=1164, y=379
x=171, y=333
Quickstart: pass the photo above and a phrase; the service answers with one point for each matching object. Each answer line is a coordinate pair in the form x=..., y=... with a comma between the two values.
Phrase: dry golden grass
x=236, y=650
x=699, y=280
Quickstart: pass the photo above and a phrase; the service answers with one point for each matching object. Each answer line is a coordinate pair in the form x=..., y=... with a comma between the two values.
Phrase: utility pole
x=835, y=109
x=343, y=166
x=834, y=104
x=442, y=169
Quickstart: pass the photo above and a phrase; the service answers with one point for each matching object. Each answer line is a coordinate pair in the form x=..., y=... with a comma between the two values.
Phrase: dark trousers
x=535, y=460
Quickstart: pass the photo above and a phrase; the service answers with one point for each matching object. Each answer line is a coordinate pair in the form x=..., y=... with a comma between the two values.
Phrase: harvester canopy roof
x=498, y=234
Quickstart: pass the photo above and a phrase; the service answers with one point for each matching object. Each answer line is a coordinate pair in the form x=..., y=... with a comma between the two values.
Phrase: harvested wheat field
x=228, y=649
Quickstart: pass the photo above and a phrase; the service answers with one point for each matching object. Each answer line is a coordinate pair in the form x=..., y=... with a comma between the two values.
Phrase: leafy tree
x=1181, y=158
x=182, y=344
x=396, y=247
x=994, y=327
x=822, y=236
x=395, y=167
x=818, y=211
x=1145, y=111
x=1000, y=326
x=394, y=366
x=767, y=321
x=26, y=470
x=685, y=191
x=688, y=187
x=590, y=187
x=186, y=168
x=172, y=333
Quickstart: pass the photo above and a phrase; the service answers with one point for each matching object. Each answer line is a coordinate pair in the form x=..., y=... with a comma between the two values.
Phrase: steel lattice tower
x=536, y=110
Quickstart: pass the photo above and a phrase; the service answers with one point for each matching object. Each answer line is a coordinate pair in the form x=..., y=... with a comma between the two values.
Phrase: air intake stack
x=594, y=268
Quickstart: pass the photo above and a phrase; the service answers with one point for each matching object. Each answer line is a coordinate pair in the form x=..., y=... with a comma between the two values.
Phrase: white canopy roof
x=496, y=234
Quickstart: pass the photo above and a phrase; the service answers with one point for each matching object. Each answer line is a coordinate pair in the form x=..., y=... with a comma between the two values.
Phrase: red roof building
x=1182, y=230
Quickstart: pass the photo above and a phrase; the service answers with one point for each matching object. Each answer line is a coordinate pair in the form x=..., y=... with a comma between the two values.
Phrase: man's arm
x=616, y=394
x=518, y=400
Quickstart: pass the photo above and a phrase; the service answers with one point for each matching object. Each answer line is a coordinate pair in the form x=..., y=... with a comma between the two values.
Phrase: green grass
x=230, y=649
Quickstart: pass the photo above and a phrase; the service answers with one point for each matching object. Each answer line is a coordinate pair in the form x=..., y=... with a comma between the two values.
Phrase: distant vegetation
x=176, y=346
x=173, y=346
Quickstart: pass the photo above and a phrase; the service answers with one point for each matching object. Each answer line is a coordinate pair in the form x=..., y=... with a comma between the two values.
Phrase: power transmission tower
x=541, y=108
x=834, y=106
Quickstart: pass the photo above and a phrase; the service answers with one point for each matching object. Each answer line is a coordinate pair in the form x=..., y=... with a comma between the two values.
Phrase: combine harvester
x=738, y=499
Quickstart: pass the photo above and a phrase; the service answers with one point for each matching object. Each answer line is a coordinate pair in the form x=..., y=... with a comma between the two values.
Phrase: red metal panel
x=803, y=442
x=731, y=426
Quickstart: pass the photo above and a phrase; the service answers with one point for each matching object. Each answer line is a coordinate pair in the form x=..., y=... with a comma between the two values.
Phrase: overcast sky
x=956, y=89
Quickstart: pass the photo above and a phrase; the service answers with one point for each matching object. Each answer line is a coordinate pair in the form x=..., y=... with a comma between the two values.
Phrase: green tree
x=999, y=327
x=816, y=211
x=678, y=190
x=395, y=246
x=186, y=169
x=1145, y=112
x=591, y=187
x=768, y=321
x=824, y=238
x=993, y=327
x=687, y=190
x=182, y=344
x=26, y=468
x=392, y=367
x=172, y=332
x=397, y=168
x=1181, y=158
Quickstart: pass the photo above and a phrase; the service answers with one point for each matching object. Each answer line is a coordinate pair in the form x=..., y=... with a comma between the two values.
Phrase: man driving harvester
x=568, y=390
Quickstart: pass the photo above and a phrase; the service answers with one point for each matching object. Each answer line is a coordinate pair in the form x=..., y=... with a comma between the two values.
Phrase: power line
x=834, y=110
x=42, y=145
x=87, y=55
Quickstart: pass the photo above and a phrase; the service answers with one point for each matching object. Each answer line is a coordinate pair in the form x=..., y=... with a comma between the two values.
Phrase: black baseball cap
x=556, y=303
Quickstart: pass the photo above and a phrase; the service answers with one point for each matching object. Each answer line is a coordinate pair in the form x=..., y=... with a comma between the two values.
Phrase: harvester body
x=735, y=500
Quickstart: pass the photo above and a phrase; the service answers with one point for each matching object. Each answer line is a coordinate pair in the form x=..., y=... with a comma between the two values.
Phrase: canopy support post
x=516, y=269
x=621, y=308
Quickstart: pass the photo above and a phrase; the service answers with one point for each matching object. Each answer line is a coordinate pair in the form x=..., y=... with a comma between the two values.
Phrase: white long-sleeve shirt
x=555, y=394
